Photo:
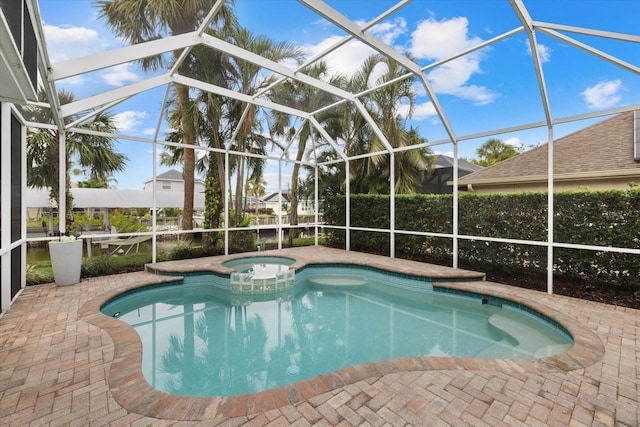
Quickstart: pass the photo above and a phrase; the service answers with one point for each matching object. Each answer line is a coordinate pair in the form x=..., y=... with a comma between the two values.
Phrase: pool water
x=197, y=343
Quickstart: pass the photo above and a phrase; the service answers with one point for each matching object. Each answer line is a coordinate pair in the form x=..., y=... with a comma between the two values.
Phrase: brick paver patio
x=59, y=366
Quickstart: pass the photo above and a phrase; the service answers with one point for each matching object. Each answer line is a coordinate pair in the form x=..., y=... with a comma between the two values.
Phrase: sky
x=490, y=89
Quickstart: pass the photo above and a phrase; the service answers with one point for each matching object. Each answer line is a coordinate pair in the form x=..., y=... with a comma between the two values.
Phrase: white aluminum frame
x=92, y=105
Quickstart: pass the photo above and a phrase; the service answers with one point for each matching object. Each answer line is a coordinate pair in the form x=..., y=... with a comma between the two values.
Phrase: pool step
x=530, y=340
x=337, y=281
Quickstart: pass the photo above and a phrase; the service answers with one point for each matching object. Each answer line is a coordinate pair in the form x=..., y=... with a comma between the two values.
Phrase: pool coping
x=131, y=390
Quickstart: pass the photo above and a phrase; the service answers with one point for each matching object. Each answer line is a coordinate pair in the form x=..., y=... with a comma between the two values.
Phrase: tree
x=249, y=80
x=214, y=118
x=94, y=181
x=372, y=174
x=95, y=154
x=256, y=188
x=306, y=98
x=138, y=21
x=494, y=151
x=331, y=177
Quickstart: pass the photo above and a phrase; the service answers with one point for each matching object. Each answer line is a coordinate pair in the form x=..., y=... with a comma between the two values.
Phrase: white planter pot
x=66, y=260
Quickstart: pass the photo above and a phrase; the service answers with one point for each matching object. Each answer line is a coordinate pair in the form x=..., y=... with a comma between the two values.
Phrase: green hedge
x=607, y=218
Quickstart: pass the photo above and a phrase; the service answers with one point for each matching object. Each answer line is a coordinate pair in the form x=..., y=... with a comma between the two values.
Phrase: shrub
x=606, y=218
x=98, y=266
x=36, y=275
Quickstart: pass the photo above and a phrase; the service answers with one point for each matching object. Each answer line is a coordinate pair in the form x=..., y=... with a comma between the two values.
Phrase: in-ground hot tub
x=260, y=267
x=260, y=274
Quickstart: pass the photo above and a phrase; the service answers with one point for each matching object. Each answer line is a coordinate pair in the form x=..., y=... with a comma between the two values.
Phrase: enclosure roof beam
x=208, y=87
x=374, y=126
x=203, y=27
x=609, y=58
x=324, y=10
x=325, y=135
x=44, y=64
x=527, y=23
x=114, y=95
x=285, y=152
x=92, y=113
x=587, y=31
x=338, y=44
x=427, y=67
x=256, y=59
x=86, y=64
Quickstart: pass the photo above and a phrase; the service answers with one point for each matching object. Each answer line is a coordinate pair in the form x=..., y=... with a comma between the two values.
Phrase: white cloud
x=420, y=111
x=120, y=75
x=345, y=60
x=437, y=40
x=129, y=120
x=603, y=95
x=349, y=57
x=74, y=81
x=322, y=23
x=543, y=50
x=441, y=39
x=514, y=142
x=66, y=42
x=388, y=31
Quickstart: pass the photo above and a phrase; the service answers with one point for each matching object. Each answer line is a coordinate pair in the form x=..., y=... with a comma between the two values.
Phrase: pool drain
x=293, y=370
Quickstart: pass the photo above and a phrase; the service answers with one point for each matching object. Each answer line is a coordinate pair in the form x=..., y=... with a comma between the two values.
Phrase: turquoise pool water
x=198, y=340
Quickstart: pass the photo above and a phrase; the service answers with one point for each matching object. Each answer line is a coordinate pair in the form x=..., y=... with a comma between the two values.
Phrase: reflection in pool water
x=196, y=342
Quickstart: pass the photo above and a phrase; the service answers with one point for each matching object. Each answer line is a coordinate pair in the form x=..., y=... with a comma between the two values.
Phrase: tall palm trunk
x=189, y=161
x=293, y=215
x=239, y=189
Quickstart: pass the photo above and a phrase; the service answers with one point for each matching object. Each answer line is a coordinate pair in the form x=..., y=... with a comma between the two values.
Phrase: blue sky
x=493, y=88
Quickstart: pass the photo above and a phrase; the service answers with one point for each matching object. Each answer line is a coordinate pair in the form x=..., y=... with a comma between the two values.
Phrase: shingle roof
x=170, y=175
x=273, y=197
x=443, y=161
x=604, y=146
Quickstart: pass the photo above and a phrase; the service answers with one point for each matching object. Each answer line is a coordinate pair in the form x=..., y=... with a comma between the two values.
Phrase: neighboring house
x=271, y=201
x=440, y=181
x=170, y=194
x=172, y=180
x=102, y=199
x=603, y=156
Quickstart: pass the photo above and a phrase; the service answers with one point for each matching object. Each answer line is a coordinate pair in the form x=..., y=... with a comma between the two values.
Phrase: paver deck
x=59, y=365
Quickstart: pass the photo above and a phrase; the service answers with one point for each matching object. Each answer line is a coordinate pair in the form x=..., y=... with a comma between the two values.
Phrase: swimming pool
x=198, y=341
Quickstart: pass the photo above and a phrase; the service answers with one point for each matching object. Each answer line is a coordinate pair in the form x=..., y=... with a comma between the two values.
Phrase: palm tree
x=249, y=80
x=213, y=118
x=207, y=118
x=372, y=174
x=103, y=181
x=256, y=188
x=305, y=98
x=91, y=153
x=137, y=21
x=331, y=178
x=494, y=151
